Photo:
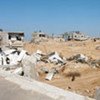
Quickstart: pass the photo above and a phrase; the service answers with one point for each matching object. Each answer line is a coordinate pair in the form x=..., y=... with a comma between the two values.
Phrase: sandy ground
x=89, y=78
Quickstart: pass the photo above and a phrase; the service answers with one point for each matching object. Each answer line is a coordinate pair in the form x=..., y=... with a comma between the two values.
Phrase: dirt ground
x=89, y=78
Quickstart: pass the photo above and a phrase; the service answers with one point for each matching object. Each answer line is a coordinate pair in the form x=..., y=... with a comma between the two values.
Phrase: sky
x=50, y=16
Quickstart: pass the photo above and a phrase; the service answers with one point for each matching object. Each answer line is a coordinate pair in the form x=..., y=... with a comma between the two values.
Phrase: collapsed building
x=75, y=35
x=11, y=39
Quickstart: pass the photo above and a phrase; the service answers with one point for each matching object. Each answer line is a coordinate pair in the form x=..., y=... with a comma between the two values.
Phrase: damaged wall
x=12, y=39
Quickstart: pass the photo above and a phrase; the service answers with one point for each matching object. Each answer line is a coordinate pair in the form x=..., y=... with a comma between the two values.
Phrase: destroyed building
x=11, y=39
x=39, y=36
x=75, y=35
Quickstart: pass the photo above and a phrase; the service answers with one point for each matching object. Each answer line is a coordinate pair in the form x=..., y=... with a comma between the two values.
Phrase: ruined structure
x=11, y=39
x=38, y=37
x=75, y=35
x=38, y=34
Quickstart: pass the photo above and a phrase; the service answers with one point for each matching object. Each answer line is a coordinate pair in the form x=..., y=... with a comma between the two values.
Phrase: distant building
x=12, y=39
x=38, y=34
x=75, y=35
x=39, y=37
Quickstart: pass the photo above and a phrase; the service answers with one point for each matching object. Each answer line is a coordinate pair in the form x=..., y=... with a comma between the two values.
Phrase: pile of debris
x=79, y=58
x=21, y=63
x=53, y=58
x=53, y=63
x=18, y=62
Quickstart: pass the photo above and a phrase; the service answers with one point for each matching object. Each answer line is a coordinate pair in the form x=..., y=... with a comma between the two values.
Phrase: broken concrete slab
x=55, y=58
x=29, y=69
x=21, y=55
x=31, y=59
x=9, y=57
x=50, y=75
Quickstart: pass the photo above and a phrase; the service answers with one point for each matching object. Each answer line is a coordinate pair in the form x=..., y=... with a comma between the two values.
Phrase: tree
x=40, y=31
x=1, y=30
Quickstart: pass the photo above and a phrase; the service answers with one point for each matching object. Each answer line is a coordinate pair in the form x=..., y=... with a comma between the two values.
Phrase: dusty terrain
x=89, y=78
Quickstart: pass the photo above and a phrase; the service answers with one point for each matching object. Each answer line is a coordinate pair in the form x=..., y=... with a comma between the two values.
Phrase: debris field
x=71, y=65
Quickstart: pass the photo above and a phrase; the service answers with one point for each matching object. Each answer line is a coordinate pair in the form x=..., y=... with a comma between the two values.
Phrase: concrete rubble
x=21, y=63
x=79, y=58
x=50, y=75
x=55, y=58
x=18, y=62
x=34, y=65
x=96, y=63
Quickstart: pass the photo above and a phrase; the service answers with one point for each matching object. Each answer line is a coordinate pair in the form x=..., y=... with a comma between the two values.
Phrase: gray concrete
x=97, y=95
x=11, y=91
x=43, y=89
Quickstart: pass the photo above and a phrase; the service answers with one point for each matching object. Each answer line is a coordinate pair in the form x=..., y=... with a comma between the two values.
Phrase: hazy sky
x=51, y=16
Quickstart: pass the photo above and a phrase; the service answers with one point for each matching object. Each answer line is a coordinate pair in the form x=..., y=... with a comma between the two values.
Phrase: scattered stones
x=79, y=58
